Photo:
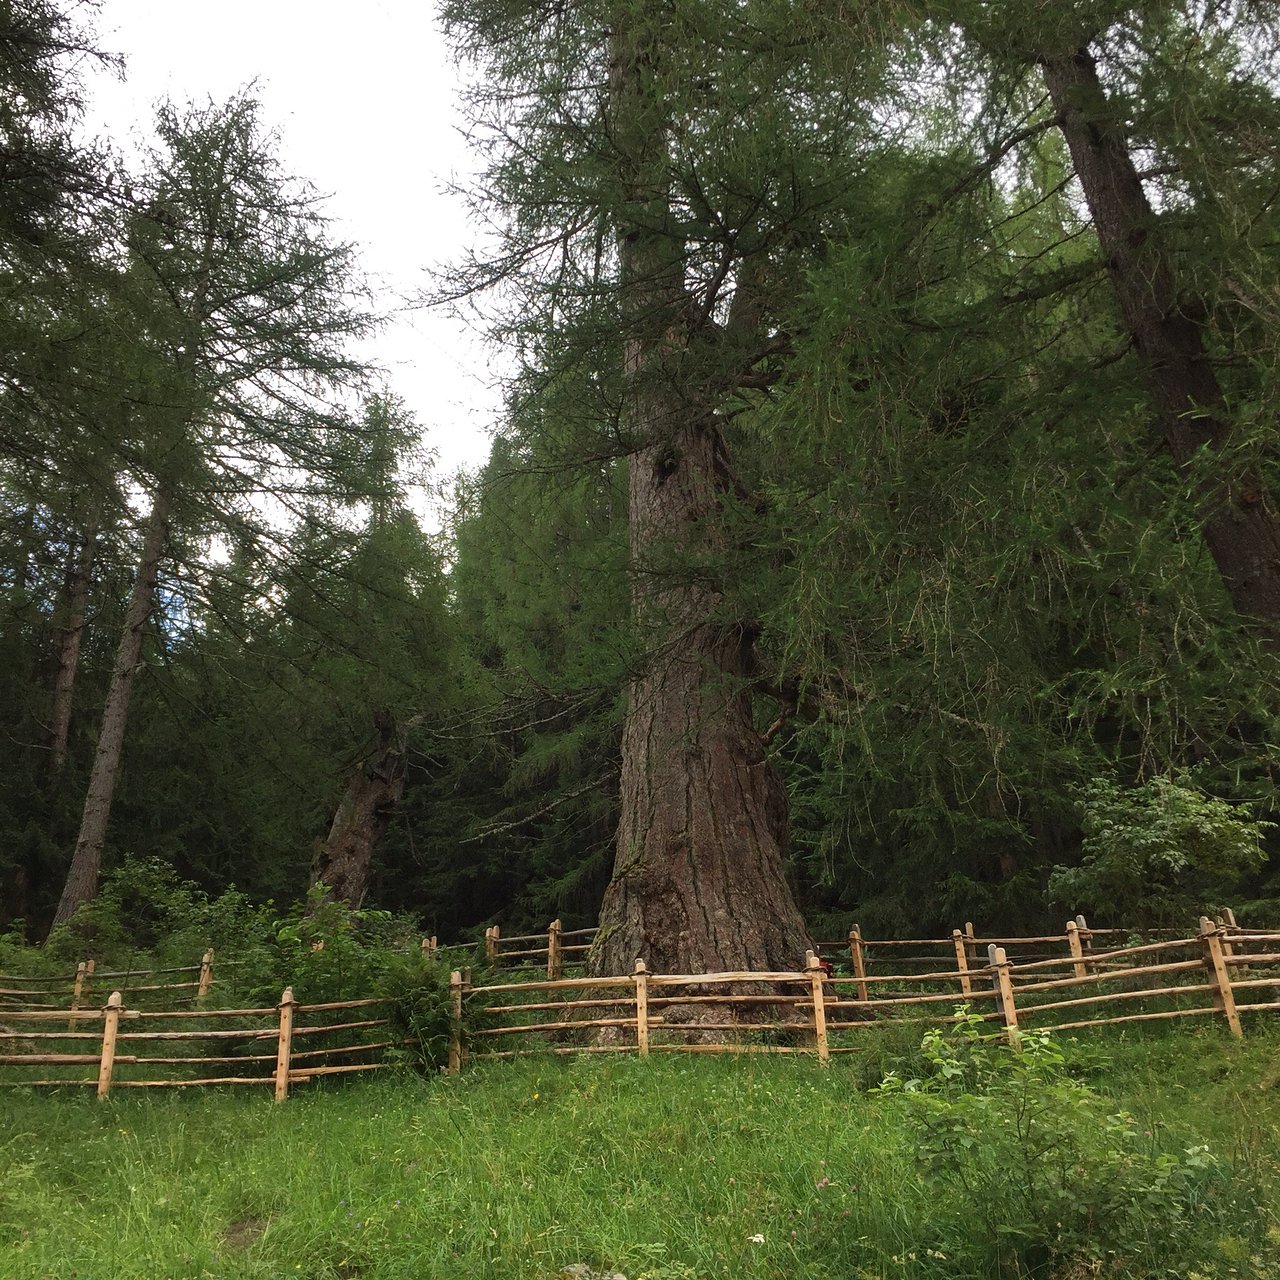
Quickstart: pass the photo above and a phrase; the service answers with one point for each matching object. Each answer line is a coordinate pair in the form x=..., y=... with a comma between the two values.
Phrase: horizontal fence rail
x=559, y=950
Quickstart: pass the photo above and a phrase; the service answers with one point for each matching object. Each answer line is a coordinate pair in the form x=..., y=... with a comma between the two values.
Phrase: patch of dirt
x=244, y=1232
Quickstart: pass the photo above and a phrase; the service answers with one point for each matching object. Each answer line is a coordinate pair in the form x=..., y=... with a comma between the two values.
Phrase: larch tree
x=243, y=309
x=386, y=652
x=1132, y=143
x=659, y=173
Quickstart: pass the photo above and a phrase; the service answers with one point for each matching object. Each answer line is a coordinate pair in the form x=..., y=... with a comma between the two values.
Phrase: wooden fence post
x=1003, y=984
x=1086, y=940
x=206, y=975
x=1224, y=934
x=491, y=937
x=1077, y=950
x=857, y=955
x=110, y=1029
x=555, y=956
x=1215, y=965
x=970, y=940
x=455, y=1021
x=76, y=992
x=642, y=1009
x=284, y=1043
x=962, y=963
x=430, y=946
x=1228, y=947
x=817, y=976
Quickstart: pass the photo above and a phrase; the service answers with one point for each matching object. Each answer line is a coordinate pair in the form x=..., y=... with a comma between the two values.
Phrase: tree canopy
x=882, y=523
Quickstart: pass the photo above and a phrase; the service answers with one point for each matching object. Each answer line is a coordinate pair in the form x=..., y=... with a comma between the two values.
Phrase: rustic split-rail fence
x=1081, y=978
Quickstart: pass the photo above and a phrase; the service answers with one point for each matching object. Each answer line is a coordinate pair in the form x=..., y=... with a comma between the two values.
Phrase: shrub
x=1163, y=851
x=1057, y=1182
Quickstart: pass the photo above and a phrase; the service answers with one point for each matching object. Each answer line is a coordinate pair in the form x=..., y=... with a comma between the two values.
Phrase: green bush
x=1056, y=1181
x=1161, y=852
x=420, y=1012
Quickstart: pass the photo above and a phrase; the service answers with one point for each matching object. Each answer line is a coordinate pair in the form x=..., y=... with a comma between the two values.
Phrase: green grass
x=670, y=1168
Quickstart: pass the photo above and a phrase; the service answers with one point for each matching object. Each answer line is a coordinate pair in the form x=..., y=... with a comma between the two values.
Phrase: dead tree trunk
x=344, y=861
x=77, y=604
x=86, y=862
x=1239, y=518
x=698, y=882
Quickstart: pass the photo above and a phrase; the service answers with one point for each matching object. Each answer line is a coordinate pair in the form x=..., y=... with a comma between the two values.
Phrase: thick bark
x=1239, y=517
x=77, y=604
x=698, y=882
x=344, y=862
x=86, y=862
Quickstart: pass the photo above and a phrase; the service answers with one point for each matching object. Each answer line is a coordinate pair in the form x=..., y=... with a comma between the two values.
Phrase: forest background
x=973, y=312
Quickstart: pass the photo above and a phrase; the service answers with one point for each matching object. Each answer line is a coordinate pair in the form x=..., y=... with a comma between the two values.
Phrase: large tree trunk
x=77, y=604
x=86, y=862
x=698, y=882
x=1239, y=517
x=344, y=862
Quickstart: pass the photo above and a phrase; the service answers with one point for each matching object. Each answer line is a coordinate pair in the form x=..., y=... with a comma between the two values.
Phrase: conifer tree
x=242, y=311
x=657, y=200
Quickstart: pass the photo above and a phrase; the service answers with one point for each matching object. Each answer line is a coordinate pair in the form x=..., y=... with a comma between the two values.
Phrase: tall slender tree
x=243, y=309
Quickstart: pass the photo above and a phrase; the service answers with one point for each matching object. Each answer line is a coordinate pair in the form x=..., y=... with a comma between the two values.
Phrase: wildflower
x=823, y=1182
x=756, y=1239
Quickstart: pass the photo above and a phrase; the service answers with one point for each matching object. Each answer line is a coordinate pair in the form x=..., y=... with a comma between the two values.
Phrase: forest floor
x=1153, y=1155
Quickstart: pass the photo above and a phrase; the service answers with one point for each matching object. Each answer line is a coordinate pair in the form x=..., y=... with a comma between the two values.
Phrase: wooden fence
x=1080, y=978
x=1222, y=971
x=559, y=950
x=121, y=1047
x=556, y=949
x=76, y=988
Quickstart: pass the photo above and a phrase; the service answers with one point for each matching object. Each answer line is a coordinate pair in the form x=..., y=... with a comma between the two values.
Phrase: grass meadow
x=1138, y=1156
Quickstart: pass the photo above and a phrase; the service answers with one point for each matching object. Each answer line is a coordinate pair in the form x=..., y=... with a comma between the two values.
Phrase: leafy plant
x=1159, y=852
x=1062, y=1182
x=420, y=1014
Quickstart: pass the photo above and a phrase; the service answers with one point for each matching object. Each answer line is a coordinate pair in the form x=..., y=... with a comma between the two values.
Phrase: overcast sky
x=366, y=105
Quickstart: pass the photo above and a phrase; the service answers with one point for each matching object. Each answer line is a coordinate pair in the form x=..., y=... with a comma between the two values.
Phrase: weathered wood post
x=970, y=940
x=206, y=975
x=816, y=977
x=1086, y=940
x=642, y=1008
x=1076, y=947
x=1224, y=999
x=284, y=1043
x=492, y=935
x=858, y=956
x=1228, y=947
x=962, y=963
x=1224, y=934
x=77, y=991
x=110, y=1029
x=998, y=963
x=555, y=954
x=430, y=946
x=455, y=1022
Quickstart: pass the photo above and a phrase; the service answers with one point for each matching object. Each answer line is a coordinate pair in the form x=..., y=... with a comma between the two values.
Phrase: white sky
x=366, y=104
